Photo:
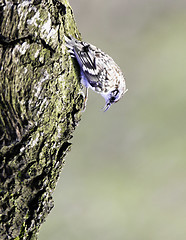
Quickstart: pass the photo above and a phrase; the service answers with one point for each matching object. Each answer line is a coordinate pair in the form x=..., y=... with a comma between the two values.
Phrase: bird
x=98, y=71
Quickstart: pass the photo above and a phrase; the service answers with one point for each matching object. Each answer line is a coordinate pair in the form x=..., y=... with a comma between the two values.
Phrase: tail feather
x=70, y=42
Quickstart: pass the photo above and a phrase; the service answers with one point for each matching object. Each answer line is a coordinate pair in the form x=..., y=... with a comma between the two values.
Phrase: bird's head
x=114, y=96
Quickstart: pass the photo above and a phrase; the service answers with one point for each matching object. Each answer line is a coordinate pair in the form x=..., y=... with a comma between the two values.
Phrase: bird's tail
x=72, y=43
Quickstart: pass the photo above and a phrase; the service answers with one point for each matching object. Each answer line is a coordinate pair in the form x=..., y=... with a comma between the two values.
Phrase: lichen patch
x=34, y=19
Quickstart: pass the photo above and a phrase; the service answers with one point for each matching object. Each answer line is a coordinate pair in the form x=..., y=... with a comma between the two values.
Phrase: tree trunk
x=40, y=106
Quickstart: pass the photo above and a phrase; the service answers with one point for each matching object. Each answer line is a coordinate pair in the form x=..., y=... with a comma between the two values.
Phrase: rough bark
x=40, y=106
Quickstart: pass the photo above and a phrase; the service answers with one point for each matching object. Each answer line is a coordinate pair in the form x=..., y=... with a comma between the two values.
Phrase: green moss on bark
x=40, y=106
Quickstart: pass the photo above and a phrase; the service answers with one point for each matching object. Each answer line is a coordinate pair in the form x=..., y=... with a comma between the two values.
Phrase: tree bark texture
x=40, y=106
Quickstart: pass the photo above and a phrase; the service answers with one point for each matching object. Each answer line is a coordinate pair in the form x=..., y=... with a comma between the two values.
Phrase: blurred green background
x=125, y=177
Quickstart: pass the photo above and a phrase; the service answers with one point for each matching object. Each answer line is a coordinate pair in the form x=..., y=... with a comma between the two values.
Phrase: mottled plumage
x=98, y=71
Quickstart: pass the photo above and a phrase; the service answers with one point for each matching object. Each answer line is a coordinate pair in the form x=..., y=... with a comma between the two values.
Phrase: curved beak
x=107, y=106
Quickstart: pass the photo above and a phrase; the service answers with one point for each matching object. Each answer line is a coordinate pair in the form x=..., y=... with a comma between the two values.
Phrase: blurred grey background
x=125, y=177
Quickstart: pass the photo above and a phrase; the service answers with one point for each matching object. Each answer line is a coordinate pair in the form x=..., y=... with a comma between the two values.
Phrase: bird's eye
x=115, y=93
x=114, y=96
